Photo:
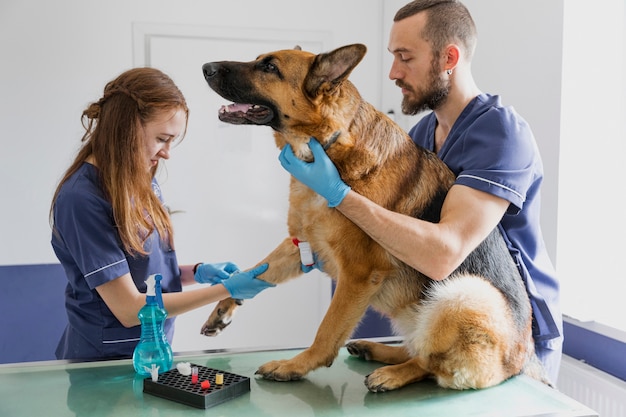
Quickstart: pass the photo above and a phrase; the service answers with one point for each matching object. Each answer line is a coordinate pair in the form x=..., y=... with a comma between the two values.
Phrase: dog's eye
x=269, y=67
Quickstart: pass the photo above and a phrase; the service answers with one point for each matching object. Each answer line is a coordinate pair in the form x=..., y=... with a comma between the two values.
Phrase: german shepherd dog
x=469, y=331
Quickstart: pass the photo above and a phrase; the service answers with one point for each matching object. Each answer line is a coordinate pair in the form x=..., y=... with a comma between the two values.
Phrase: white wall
x=57, y=56
x=591, y=215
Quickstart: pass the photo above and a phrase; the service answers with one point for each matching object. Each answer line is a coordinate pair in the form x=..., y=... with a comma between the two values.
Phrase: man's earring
x=449, y=71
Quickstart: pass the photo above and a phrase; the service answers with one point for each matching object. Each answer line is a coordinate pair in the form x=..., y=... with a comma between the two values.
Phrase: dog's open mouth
x=239, y=114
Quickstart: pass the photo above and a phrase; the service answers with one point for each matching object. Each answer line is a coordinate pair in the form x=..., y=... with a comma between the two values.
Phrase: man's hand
x=321, y=175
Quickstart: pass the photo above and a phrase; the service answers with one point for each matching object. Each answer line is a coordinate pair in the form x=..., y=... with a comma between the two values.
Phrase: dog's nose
x=209, y=70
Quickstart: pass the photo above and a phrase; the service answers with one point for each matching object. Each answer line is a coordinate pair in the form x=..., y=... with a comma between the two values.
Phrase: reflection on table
x=111, y=388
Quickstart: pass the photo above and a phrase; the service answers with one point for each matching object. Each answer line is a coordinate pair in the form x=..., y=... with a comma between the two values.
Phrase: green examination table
x=111, y=388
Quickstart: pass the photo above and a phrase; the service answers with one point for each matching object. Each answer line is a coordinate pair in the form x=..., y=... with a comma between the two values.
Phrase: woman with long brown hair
x=111, y=229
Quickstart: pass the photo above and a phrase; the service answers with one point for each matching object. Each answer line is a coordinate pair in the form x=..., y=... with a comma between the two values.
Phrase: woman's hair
x=447, y=21
x=114, y=138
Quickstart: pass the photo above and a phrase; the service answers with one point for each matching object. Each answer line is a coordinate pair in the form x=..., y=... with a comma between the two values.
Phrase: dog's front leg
x=347, y=306
x=284, y=264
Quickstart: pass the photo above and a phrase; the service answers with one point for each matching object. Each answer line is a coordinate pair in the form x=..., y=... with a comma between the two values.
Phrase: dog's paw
x=282, y=370
x=213, y=329
x=382, y=380
x=215, y=324
x=220, y=317
x=360, y=349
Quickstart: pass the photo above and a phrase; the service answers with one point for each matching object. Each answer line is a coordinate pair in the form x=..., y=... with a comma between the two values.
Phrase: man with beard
x=489, y=147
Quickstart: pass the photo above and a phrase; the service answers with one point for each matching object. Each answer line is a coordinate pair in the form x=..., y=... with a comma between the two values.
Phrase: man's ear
x=451, y=56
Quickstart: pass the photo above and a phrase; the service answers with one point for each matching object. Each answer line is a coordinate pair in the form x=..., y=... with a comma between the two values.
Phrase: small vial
x=219, y=379
x=306, y=255
x=194, y=375
x=205, y=384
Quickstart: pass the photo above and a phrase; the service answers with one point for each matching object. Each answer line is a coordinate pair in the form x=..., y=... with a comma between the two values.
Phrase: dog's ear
x=331, y=68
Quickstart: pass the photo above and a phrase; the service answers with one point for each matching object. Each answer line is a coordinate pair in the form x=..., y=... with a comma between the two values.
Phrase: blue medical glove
x=244, y=285
x=214, y=273
x=321, y=175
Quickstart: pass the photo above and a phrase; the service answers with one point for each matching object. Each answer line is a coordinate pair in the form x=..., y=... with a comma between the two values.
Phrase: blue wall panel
x=32, y=311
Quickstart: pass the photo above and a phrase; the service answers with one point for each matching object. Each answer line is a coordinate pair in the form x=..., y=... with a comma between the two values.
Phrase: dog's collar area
x=332, y=140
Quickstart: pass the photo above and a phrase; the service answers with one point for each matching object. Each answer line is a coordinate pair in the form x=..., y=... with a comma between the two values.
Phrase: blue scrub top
x=89, y=248
x=492, y=149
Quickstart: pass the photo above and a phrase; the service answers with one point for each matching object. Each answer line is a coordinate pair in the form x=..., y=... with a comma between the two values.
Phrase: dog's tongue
x=235, y=113
x=235, y=107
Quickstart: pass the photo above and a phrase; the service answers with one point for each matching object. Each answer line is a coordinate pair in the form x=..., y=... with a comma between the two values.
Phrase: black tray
x=174, y=386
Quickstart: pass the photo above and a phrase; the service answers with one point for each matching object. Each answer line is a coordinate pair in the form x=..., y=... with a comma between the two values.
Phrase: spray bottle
x=153, y=352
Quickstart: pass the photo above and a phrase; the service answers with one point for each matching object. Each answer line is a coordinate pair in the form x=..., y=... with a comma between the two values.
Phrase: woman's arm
x=187, y=275
x=125, y=301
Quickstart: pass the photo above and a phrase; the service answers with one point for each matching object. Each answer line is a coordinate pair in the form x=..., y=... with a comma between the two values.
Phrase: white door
x=227, y=188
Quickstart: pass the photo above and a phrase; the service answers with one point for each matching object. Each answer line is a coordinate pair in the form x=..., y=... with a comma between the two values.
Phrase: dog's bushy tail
x=465, y=334
x=534, y=368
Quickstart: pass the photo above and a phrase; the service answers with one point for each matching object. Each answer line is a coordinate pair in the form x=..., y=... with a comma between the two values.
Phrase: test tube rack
x=173, y=385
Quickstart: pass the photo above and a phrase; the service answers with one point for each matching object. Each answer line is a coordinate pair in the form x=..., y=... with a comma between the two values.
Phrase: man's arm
x=434, y=249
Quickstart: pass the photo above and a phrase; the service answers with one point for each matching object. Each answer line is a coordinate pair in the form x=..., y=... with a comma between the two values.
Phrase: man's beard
x=430, y=99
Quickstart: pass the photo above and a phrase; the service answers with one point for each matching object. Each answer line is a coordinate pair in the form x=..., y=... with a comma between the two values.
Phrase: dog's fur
x=471, y=330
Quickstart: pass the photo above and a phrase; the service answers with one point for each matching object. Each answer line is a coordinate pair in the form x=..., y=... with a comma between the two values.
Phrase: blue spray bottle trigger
x=157, y=289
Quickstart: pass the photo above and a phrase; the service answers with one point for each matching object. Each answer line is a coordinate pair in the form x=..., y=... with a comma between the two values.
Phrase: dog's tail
x=464, y=334
x=534, y=368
